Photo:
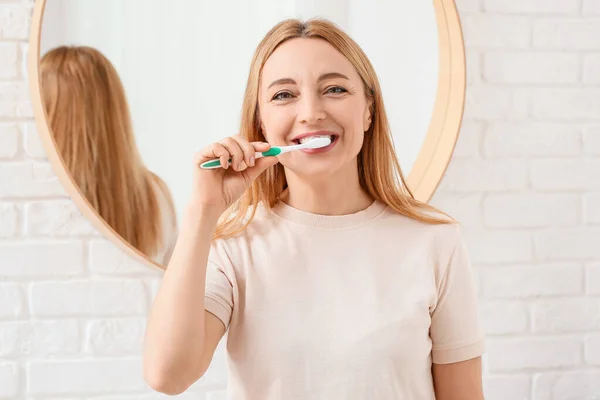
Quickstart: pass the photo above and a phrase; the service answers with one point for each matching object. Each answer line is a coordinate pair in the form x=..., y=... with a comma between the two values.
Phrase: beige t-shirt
x=342, y=307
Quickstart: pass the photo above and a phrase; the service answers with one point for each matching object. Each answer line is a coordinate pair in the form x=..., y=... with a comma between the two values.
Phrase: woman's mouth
x=333, y=138
x=308, y=138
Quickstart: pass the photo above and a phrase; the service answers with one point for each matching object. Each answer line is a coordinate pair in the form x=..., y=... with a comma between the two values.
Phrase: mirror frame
x=423, y=179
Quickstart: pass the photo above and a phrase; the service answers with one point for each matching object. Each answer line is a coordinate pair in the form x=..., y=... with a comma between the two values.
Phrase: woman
x=331, y=280
x=88, y=116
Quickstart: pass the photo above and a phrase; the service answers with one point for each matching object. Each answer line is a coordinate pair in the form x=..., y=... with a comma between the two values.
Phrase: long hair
x=90, y=121
x=379, y=172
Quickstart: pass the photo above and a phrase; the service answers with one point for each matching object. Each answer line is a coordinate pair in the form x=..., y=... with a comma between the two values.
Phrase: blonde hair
x=378, y=168
x=89, y=118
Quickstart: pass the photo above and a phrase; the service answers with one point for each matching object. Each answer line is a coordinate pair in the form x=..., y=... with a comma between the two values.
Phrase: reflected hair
x=89, y=119
x=379, y=171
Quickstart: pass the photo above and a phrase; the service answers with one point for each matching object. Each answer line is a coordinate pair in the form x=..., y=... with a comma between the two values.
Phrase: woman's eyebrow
x=331, y=75
x=282, y=81
x=290, y=81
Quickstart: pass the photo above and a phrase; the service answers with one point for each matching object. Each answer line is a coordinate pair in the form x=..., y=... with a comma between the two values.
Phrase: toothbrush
x=275, y=151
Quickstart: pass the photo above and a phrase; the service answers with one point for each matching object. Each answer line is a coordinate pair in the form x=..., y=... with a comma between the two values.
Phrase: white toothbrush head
x=316, y=143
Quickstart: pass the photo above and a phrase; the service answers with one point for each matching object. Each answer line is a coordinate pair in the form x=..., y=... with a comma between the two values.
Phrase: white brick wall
x=524, y=181
x=523, y=68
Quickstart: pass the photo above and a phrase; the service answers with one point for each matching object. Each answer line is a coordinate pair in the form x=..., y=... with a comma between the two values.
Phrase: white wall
x=524, y=181
x=184, y=65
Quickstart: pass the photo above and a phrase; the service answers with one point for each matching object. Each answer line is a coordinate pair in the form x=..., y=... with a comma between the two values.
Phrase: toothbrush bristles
x=318, y=142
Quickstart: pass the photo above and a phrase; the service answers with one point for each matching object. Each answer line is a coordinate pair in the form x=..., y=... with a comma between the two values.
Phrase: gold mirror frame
x=423, y=179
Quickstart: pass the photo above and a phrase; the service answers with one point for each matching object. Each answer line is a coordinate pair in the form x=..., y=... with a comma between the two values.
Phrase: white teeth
x=306, y=139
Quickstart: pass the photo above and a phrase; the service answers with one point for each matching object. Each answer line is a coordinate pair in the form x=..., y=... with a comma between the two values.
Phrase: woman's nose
x=311, y=109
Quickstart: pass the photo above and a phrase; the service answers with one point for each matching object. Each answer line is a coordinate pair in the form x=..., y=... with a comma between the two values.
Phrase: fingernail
x=252, y=161
x=242, y=166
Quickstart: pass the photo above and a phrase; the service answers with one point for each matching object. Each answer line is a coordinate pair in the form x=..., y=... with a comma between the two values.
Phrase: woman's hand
x=221, y=187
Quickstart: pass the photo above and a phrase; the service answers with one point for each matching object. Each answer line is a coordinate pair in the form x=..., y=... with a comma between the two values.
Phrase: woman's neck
x=335, y=194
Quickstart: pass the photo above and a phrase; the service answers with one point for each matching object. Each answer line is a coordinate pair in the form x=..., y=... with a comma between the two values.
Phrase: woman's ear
x=368, y=117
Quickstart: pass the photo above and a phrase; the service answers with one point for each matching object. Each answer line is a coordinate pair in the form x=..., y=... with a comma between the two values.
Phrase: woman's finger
x=248, y=150
x=236, y=152
x=261, y=146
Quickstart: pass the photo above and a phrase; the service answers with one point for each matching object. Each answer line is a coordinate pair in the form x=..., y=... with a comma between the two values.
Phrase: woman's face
x=308, y=88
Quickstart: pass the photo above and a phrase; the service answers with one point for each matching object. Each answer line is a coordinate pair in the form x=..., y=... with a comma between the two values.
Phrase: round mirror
x=183, y=67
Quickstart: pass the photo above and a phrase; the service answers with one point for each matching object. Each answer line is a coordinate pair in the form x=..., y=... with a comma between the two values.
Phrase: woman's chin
x=314, y=170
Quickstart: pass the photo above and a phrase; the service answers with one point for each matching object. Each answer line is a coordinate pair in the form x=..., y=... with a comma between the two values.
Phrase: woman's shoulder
x=424, y=216
x=232, y=251
x=428, y=223
x=442, y=243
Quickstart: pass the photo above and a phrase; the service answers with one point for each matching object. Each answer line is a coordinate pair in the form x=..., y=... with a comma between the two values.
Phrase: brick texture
x=524, y=182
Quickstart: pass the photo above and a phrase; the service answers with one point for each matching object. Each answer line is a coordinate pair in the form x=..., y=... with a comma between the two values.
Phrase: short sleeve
x=218, y=298
x=455, y=330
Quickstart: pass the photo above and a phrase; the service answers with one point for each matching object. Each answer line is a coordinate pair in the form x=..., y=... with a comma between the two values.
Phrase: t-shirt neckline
x=320, y=221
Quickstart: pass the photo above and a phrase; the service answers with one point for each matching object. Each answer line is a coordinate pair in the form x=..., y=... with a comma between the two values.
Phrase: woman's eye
x=336, y=90
x=282, y=96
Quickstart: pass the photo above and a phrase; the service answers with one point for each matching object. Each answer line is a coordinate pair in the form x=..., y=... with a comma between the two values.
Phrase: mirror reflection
x=129, y=102
x=89, y=117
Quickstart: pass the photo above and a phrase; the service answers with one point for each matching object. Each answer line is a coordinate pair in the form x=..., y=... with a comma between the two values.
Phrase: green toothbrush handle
x=216, y=163
x=273, y=151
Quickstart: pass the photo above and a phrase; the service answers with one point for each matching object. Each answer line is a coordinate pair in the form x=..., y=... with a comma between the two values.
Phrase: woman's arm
x=458, y=381
x=181, y=337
